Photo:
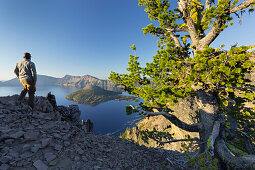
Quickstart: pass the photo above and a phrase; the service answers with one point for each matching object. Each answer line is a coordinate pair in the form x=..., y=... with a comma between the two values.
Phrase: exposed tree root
x=242, y=162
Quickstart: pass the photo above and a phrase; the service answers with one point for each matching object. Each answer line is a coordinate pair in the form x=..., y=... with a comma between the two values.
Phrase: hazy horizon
x=86, y=37
x=60, y=77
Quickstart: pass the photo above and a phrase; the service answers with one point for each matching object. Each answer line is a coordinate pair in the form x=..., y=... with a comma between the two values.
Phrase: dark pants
x=29, y=86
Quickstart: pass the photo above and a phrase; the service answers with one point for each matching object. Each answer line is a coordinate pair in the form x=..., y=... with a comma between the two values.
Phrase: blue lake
x=108, y=118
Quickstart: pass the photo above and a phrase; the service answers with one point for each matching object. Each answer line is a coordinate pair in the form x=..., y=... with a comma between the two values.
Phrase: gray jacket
x=25, y=70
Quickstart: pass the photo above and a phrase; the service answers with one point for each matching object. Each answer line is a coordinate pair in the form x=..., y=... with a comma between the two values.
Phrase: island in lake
x=94, y=95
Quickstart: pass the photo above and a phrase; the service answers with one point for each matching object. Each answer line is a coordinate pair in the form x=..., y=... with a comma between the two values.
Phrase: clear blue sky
x=80, y=37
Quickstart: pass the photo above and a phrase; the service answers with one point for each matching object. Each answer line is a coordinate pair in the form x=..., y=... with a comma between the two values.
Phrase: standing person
x=26, y=72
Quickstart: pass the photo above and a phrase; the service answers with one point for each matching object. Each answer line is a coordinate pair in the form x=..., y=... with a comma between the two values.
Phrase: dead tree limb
x=242, y=6
x=242, y=162
x=208, y=4
x=213, y=136
x=173, y=119
x=174, y=140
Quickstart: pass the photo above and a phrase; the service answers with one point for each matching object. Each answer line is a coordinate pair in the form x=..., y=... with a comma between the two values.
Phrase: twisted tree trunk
x=212, y=134
x=208, y=109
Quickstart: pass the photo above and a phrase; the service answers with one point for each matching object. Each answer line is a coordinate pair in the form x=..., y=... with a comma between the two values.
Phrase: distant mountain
x=42, y=80
x=94, y=95
x=67, y=81
x=12, y=82
x=83, y=81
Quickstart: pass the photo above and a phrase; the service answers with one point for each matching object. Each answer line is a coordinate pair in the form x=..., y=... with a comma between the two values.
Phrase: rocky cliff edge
x=53, y=137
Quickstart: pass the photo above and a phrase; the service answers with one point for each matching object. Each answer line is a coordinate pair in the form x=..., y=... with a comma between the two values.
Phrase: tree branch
x=248, y=143
x=213, y=136
x=208, y=4
x=212, y=35
x=216, y=29
x=192, y=31
x=174, y=140
x=166, y=32
x=239, y=88
x=206, y=7
x=176, y=30
x=242, y=6
x=176, y=40
x=248, y=146
x=243, y=162
x=183, y=8
x=243, y=133
x=173, y=119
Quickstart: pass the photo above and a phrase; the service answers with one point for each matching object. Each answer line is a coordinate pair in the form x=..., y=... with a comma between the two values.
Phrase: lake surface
x=108, y=118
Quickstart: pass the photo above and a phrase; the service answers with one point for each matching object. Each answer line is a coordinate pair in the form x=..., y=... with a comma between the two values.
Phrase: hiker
x=26, y=72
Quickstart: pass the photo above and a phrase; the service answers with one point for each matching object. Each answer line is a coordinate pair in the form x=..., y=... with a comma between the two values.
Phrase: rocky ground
x=50, y=137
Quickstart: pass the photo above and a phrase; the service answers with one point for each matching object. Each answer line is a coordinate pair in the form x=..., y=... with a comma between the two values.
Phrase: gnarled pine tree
x=186, y=65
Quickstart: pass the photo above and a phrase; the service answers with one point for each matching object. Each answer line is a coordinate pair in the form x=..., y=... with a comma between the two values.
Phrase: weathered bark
x=211, y=132
x=208, y=4
x=212, y=138
x=176, y=40
x=212, y=34
x=207, y=114
x=242, y=6
x=184, y=10
x=243, y=162
x=249, y=146
x=233, y=125
x=248, y=142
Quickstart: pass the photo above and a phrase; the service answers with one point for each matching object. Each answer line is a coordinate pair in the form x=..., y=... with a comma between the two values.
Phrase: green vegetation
x=93, y=95
x=185, y=65
x=203, y=162
x=124, y=134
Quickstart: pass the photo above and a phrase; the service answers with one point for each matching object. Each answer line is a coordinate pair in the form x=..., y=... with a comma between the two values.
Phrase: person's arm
x=16, y=70
x=33, y=71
